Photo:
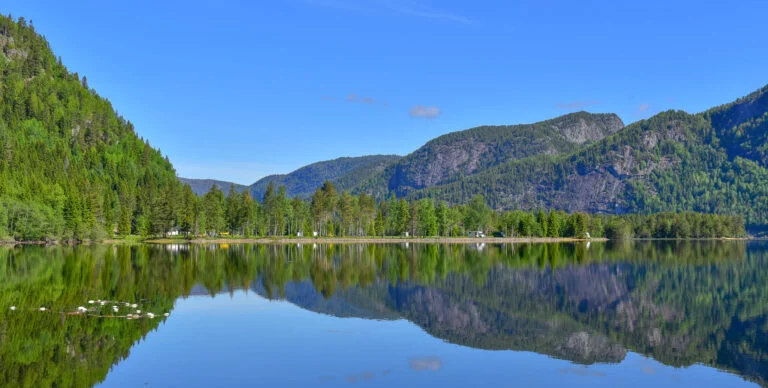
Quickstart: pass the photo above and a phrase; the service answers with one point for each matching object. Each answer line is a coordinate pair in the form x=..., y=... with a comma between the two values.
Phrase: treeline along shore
x=330, y=215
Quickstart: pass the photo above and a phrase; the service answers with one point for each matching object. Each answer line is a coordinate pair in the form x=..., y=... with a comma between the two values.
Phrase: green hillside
x=71, y=167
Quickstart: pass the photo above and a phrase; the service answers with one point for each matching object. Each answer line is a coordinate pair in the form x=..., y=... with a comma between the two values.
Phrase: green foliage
x=71, y=168
x=332, y=214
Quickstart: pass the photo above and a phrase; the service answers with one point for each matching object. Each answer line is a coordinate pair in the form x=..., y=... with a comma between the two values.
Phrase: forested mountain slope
x=470, y=151
x=71, y=167
x=713, y=162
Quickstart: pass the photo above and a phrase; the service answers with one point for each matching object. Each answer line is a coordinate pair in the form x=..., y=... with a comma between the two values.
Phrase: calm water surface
x=636, y=314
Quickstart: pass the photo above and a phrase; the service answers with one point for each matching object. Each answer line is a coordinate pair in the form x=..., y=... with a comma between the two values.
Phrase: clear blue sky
x=239, y=89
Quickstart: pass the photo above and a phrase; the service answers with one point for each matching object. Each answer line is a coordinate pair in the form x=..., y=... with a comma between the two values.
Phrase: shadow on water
x=683, y=303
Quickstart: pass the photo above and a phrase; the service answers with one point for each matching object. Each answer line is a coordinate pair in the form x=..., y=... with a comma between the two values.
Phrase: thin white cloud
x=424, y=112
x=423, y=11
x=577, y=104
x=401, y=7
x=642, y=109
x=354, y=98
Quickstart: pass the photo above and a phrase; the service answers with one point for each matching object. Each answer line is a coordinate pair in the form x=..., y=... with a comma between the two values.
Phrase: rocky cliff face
x=464, y=153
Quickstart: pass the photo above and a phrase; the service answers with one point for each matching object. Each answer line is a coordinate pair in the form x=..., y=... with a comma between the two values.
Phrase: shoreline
x=377, y=240
x=425, y=240
x=365, y=240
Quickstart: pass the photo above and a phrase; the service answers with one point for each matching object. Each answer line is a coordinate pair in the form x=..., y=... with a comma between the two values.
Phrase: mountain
x=202, y=186
x=345, y=173
x=467, y=152
x=451, y=155
x=71, y=167
x=712, y=162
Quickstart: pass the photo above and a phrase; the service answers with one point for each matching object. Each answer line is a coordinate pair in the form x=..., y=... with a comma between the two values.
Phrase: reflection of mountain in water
x=682, y=303
x=465, y=321
x=708, y=311
x=343, y=304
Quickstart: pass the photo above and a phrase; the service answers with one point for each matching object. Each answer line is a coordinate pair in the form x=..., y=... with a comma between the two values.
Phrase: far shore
x=414, y=240
x=376, y=240
x=361, y=240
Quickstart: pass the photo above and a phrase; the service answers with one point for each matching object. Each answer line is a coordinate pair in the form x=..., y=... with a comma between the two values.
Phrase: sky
x=236, y=90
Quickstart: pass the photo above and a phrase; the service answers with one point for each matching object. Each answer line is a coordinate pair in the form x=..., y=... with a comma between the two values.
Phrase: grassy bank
x=373, y=240
x=351, y=240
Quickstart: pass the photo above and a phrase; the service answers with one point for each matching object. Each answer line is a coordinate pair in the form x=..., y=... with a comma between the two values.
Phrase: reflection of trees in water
x=682, y=302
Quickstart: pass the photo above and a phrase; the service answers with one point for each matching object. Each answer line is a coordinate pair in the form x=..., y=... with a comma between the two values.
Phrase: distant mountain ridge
x=344, y=172
x=467, y=152
x=202, y=186
x=304, y=181
x=712, y=162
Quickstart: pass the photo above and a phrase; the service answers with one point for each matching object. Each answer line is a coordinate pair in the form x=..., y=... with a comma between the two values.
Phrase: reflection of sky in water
x=246, y=340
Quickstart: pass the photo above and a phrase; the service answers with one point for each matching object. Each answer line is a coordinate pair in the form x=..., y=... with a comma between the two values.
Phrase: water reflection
x=680, y=302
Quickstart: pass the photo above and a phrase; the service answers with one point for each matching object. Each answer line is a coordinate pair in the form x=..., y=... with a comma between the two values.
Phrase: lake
x=653, y=313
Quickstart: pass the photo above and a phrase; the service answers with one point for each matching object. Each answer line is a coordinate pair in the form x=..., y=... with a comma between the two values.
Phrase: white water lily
x=150, y=315
x=127, y=304
x=102, y=303
x=13, y=308
x=81, y=309
x=42, y=308
x=90, y=302
x=138, y=311
x=166, y=314
x=134, y=305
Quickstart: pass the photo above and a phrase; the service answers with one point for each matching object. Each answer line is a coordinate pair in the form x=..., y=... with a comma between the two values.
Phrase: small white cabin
x=476, y=234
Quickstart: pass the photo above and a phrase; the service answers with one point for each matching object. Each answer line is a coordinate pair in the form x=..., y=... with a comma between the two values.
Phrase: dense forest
x=71, y=167
x=333, y=214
